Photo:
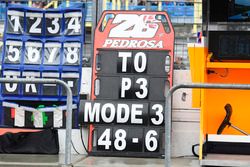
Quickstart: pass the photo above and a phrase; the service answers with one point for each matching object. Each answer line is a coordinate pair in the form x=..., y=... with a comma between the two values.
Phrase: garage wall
x=185, y=120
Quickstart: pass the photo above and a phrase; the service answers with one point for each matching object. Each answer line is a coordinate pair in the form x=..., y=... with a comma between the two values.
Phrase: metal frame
x=168, y=109
x=67, y=156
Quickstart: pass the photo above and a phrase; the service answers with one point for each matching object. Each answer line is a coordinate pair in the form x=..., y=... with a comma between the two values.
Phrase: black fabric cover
x=42, y=142
x=226, y=148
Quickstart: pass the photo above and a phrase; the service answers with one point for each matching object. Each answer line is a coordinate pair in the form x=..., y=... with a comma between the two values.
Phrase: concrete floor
x=13, y=160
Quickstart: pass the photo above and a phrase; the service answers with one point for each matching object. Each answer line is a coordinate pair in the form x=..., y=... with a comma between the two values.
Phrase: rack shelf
x=238, y=65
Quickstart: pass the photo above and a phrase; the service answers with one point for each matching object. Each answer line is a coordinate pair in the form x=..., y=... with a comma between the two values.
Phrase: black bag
x=42, y=142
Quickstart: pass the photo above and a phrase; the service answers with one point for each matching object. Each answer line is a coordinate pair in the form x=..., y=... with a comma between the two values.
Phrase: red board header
x=134, y=30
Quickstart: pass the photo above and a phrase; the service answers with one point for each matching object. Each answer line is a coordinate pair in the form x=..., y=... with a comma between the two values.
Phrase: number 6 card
x=33, y=52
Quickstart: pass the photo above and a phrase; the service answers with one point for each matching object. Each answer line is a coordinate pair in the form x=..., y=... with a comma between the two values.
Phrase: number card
x=71, y=53
x=33, y=52
x=31, y=88
x=11, y=88
x=52, y=53
x=53, y=24
x=73, y=23
x=121, y=139
x=50, y=89
x=15, y=22
x=72, y=79
x=34, y=23
x=13, y=52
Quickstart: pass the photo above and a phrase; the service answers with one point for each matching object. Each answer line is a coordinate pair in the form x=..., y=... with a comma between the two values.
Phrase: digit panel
x=139, y=88
x=15, y=22
x=156, y=113
x=103, y=142
x=33, y=52
x=128, y=141
x=152, y=140
x=34, y=23
x=13, y=52
x=11, y=88
x=73, y=23
x=31, y=88
x=52, y=53
x=72, y=79
x=71, y=53
x=53, y=23
x=119, y=139
x=50, y=89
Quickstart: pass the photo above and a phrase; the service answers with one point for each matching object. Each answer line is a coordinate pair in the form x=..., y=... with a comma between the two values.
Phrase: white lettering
x=122, y=113
x=124, y=56
x=134, y=26
x=136, y=110
x=107, y=42
x=17, y=24
x=140, y=67
x=8, y=86
x=159, y=45
x=159, y=113
x=151, y=44
x=91, y=114
x=110, y=118
x=143, y=88
x=115, y=43
x=32, y=86
x=142, y=44
x=126, y=85
x=133, y=44
x=124, y=43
